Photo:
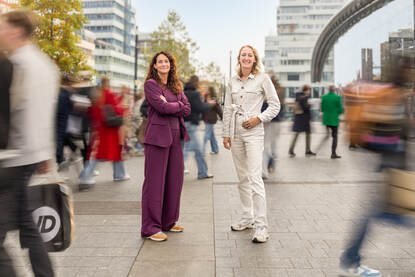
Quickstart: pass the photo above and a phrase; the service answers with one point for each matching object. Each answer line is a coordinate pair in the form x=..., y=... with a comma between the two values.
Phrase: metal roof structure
x=349, y=16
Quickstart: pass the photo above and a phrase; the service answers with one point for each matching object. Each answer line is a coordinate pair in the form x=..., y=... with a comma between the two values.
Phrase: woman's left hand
x=251, y=123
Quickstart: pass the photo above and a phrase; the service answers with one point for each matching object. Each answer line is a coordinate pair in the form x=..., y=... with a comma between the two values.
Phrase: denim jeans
x=210, y=135
x=351, y=256
x=271, y=133
x=90, y=165
x=193, y=146
x=139, y=147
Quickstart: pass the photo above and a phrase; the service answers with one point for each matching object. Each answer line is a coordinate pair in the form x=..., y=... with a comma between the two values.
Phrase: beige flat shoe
x=160, y=236
x=177, y=229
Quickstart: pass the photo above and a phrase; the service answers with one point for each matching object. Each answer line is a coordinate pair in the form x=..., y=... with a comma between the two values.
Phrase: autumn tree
x=171, y=36
x=213, y=73
x=59, y=22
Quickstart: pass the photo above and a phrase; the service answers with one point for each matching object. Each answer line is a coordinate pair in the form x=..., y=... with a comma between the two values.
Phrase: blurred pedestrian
x=272, y=131
x=137, y=120
x=164, y=164
x=302, y=120
x=332, y=108
x=210, y=118
x=384, y=130
x=198, y=107
x=143, y=125
x=33, y=98
x=126, y=103
x=70, y=118
x=243, y=134
x=105, y=144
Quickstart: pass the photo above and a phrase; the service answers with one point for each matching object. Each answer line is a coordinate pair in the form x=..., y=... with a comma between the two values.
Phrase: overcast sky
x=219, y=26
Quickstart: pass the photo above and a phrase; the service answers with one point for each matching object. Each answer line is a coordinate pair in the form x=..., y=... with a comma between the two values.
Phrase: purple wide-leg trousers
x=162, y=186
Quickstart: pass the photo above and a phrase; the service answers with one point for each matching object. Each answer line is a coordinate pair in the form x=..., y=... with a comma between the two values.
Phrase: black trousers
x=15, y=214
x=67, y=140
x=334, y=130
x=307, y=141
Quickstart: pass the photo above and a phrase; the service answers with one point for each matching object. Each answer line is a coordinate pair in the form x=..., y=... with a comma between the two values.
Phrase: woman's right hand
x=227, y=143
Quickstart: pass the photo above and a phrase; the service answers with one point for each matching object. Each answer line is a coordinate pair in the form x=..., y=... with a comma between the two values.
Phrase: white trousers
x=272, y=131
x=247, y=151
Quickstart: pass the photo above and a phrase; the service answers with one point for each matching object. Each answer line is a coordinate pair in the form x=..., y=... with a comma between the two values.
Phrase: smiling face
x=247, y=58
x=162, y=64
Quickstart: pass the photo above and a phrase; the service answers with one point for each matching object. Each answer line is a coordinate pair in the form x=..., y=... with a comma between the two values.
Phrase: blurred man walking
x=33, y=97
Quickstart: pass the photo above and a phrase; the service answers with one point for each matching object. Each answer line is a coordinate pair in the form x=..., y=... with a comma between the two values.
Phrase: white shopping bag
x=74, y=126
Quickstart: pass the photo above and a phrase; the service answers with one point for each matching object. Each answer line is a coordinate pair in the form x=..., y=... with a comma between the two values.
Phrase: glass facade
x=113, y=22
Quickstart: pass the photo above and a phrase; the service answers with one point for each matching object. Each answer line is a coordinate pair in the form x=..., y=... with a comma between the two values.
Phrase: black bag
x=6, y=75
x=111, y=118
x=53, y=215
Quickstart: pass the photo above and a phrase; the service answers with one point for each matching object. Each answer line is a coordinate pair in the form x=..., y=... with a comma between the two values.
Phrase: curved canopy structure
x=349, y=16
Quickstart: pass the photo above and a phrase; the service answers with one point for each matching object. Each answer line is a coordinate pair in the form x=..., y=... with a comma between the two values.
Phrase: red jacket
x=105, y=141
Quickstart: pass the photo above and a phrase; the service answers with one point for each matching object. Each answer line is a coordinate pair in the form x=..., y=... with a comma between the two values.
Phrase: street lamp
x=136, y=61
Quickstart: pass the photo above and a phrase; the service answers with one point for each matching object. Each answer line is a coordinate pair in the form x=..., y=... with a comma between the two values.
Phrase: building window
x=105, y=16
x=294, y=62
x=293, y=9
x=316, y=92
x=285, y=51
x=292, y=91
x=328, y=76
x=293, y=77
x=320, y=16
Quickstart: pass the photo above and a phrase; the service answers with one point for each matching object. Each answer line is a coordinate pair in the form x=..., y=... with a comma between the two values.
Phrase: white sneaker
x=260, y=234
x=186, y=171
x=125, y=178
x=359, y=271
x=96, y=172
x=86, y=184
x=242, y=225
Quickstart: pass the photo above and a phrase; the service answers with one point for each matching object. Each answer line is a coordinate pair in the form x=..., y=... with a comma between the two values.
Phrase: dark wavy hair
x=173, y=82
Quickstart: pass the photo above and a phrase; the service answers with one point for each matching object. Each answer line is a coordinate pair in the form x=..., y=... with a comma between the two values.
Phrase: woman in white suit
x=243, y=134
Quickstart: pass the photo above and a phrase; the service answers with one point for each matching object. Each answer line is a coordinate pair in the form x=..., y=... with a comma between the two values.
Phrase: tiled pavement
x=313, y=203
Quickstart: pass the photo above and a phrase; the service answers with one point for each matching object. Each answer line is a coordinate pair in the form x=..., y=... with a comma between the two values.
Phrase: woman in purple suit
x=164, y=164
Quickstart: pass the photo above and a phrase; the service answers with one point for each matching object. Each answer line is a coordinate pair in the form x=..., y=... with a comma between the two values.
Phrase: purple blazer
x=158, y=131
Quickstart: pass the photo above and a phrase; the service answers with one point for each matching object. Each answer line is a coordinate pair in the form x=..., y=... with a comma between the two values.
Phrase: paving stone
x=66, y=271
x=224, y=272
x=154, y=251
x=222, y=252
x=251, y=272
x=167, y=268
x=228, y=262
x=274, y=262
x=305, y=272
x=300, y=263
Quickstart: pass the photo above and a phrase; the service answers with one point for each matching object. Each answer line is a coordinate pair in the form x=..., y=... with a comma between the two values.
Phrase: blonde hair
x=256, y=68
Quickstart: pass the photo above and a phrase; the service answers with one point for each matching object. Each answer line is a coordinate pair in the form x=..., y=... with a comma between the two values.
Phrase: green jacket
x=331, y=106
